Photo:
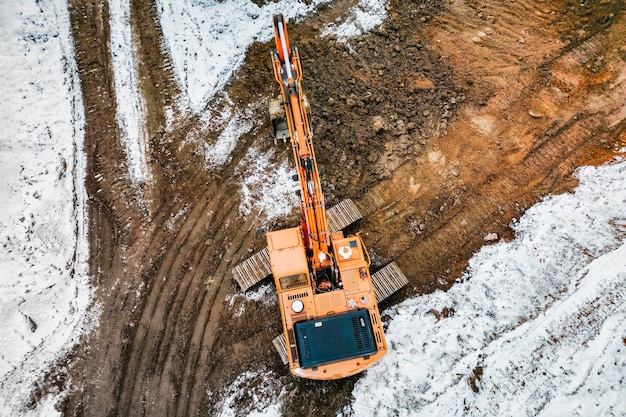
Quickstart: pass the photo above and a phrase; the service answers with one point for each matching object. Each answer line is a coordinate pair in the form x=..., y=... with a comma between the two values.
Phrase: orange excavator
x=328, y=299
x=329, y=310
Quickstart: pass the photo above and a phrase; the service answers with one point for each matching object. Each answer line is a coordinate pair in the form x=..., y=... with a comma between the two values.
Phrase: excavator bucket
x=279, y=121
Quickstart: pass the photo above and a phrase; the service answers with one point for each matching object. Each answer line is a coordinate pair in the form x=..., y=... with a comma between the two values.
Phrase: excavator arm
x=288, y=74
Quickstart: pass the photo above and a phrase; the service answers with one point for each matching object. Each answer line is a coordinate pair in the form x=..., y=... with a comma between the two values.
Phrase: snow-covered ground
x=208, y=40
x=544, y=303
x=263, y=387
x=267, y=187
x=365, y=16
x=130, y=106
x=44, y=286
x=540, y=320
x=536, y=326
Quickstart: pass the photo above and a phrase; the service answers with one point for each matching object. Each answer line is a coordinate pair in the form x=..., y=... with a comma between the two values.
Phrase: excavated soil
x=443, y=125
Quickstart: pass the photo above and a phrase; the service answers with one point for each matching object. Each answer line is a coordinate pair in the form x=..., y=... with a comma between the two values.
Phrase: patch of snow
x=253, y=393
x=219, y=113
x=535, y=324
x=238, y=124
x=208, y=40
x=265, y=293
x=130, y=108
x=175, y=218
x=266, y=187
x=43, y=244
x=362, y=18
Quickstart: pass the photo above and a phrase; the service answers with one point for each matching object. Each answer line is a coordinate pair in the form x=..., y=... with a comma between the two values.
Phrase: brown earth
x=444, y=125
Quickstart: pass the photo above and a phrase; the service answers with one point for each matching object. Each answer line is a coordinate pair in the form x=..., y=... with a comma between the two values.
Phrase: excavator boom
x=288, y=73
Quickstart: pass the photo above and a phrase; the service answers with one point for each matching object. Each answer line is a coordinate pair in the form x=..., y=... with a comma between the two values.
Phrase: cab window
x=293, y=281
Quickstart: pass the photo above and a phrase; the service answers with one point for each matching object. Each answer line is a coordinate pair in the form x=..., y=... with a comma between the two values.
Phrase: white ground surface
x=266, y=186
x=544, y=316
x=208, y=40
x=130, y=109
x=44, y=286
x=365, y=16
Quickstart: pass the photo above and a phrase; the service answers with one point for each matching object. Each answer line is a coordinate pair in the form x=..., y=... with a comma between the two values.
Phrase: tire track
x=114, y=212
x=550, y=160
x=579, y=321
x=154, y=325
x=176, y=329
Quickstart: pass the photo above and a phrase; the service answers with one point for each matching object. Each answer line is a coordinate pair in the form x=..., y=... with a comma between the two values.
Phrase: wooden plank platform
x=342, y=215
x=281, y=347
x=253, y=270
x=387, y=281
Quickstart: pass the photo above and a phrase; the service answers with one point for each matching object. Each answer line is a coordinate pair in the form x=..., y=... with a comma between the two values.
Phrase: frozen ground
x=266, y=187
x=43, y=253
x=365, y=16
x=208, y=40
x=130, y=108
x=267, y=394
x=536, y=327
x=207, y=43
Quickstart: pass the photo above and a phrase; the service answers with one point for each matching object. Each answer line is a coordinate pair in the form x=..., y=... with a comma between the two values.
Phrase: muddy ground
x=443, y=125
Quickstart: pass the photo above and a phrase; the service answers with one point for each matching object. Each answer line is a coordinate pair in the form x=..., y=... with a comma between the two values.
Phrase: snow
x=208, y=40
x=543, y=315
x=130, y=106
x=43, y=254
x=362, y=18
x=238, y=123
x=253, y=394
x=267, y=188
x=264, y=294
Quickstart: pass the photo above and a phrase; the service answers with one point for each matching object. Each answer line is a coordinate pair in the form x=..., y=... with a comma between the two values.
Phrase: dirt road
x=444, y=125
